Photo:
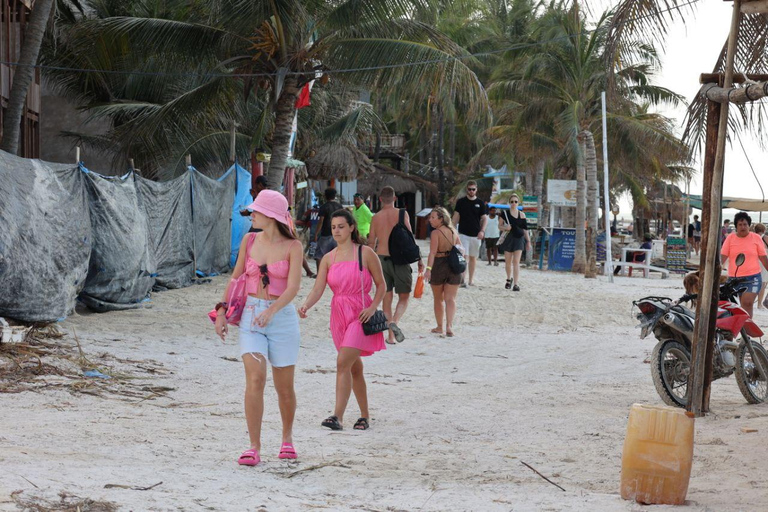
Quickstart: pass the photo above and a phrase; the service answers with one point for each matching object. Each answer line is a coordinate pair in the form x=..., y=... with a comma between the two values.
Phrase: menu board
x=531, y=210
x=677, y=254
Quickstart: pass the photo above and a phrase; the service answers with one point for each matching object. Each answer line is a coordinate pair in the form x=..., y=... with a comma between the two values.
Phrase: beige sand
x=545, y=376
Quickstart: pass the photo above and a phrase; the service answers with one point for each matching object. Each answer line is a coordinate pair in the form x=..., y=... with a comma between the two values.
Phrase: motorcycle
x=672, y=324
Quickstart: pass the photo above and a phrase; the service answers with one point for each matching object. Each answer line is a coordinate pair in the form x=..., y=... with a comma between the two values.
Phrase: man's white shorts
x=471, y=245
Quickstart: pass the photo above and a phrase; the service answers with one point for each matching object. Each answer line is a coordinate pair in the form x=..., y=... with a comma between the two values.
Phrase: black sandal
x=509, y=284
x=361, y=424
x=332, y=422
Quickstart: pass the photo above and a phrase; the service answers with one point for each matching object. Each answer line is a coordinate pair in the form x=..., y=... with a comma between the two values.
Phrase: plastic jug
x=658, y=453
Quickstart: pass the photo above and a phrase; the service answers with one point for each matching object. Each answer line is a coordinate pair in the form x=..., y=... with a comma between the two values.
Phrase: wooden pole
x=77, y=155
x=704, y=325
x=188, y=160
x=232, y=153
x=704, y=338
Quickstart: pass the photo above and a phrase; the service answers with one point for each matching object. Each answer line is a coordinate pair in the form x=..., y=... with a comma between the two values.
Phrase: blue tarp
x=67, y=233
x=240, y=224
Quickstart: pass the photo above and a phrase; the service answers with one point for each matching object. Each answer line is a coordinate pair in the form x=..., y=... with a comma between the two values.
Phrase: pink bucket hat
x=273, y=205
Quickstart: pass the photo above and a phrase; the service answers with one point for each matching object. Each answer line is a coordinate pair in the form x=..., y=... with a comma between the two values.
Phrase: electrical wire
x=519, y=46
x=738, y=136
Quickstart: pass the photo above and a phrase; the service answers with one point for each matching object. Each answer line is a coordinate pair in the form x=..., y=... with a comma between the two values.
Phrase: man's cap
x=359, y=195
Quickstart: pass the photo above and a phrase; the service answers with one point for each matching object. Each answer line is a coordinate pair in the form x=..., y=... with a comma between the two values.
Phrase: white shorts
x=278, y=341
x=471, y=245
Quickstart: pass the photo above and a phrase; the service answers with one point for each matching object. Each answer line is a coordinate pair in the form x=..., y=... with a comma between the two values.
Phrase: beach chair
x=637, y=257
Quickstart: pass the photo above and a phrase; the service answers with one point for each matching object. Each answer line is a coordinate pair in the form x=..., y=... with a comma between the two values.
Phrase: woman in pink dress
x=351, y=307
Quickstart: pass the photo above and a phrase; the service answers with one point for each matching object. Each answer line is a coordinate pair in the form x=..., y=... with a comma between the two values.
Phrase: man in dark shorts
x=323, y=235
x=399, y=278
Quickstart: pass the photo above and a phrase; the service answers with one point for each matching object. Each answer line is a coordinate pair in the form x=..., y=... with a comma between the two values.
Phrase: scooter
x=736, y=350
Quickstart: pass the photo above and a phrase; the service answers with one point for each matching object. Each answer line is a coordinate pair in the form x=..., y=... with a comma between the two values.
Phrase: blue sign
x=562, y=247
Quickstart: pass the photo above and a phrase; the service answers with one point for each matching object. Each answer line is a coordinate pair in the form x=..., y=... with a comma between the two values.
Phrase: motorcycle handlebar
x=687, y=297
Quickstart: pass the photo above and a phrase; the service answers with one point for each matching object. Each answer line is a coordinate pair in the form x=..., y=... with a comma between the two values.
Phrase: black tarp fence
x=69, y=233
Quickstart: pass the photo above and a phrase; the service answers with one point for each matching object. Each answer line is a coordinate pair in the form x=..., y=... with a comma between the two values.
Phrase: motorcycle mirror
x=740, y=259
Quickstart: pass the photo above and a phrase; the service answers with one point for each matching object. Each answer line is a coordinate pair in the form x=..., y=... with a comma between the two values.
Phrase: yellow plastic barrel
x=658, y=454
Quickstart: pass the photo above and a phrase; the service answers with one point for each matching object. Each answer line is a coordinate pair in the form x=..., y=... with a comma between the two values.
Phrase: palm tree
x=554, y=95
x=24, y=73
x=275, y=49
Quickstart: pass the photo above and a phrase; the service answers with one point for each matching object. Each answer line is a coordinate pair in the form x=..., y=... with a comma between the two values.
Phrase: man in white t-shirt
x=492, y=234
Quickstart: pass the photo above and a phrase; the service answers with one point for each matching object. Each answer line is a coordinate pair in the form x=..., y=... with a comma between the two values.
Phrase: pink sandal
x=287, y=451
x=249, y=458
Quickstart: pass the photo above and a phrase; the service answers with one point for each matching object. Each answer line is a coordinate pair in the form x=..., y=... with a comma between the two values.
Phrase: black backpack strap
x=402, y=216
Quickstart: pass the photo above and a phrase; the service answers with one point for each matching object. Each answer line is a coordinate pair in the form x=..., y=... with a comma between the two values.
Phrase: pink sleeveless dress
x=346, y=329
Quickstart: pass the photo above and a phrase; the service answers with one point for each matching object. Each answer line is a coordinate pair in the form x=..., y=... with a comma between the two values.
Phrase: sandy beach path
x=545, y=376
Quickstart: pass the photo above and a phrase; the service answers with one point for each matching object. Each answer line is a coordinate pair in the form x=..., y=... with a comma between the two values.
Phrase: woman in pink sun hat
x=269, y=326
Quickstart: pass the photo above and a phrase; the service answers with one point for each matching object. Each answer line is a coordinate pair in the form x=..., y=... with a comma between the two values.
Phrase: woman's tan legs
x=344, y=362
x=255, y=379
x=449, y=293
x=286, y=398
x=437, y=294
x=359, y=387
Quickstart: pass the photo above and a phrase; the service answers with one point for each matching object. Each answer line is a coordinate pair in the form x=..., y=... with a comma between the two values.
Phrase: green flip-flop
x=399, y=336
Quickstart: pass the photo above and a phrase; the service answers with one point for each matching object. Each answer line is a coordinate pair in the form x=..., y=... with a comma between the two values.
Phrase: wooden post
x=77, y=154
x=232, y=153
x=704, y=327
x=703, y=340
x=130, y=164
x=188, y=160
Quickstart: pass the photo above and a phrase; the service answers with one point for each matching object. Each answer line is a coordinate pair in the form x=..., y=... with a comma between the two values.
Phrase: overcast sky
x=692, y=48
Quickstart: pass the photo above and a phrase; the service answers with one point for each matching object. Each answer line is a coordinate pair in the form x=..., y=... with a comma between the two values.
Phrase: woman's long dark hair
x=351, y=221
x=285, y=231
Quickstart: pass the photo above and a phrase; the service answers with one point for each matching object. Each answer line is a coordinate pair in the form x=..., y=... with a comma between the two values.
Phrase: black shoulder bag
x=456, y=260
x=378, y=322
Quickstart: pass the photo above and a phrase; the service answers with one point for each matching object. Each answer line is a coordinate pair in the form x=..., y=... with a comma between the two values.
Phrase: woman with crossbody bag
x=516, y=239
x=443, y=279
x=350, y=270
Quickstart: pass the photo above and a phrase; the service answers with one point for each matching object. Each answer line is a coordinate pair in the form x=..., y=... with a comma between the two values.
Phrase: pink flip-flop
x=249, y=458
x=287, y=451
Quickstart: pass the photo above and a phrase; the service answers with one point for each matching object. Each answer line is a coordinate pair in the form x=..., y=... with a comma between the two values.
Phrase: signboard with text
x=676, y=254
x=561, y=192
x=562, y=247
x=531, y=210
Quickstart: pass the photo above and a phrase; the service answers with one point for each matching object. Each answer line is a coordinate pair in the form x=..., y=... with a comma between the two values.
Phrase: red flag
x=303, y=100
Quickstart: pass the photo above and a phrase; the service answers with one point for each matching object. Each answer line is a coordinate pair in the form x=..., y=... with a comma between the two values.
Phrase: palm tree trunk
x=591, y=171
x=285, y=109
x=580, y=255
x=24, y=74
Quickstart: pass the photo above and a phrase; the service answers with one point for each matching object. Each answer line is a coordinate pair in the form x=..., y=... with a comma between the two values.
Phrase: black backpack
x=402, y=246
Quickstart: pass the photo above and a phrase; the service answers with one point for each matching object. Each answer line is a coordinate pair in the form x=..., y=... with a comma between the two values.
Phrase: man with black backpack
x=391, y=237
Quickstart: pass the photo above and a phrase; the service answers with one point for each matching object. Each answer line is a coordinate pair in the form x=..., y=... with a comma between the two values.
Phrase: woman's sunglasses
x=513, y=201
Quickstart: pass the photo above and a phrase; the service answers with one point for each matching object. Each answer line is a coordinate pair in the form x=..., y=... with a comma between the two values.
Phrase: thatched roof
x=339, y=161
x=402, y=182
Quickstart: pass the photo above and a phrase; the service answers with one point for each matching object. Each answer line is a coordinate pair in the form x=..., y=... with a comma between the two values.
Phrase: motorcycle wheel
x=752, y=386
x=670, y=366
